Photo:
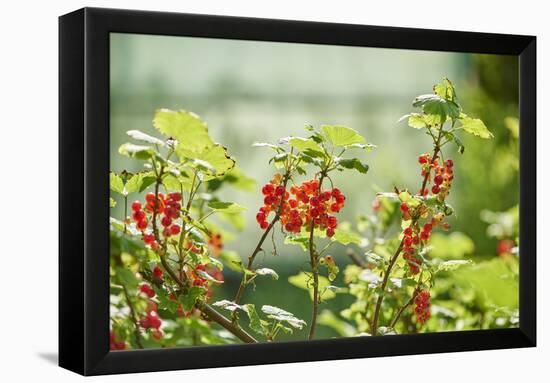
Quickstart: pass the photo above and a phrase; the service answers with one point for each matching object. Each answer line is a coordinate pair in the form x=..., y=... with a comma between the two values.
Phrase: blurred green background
x=251, y=91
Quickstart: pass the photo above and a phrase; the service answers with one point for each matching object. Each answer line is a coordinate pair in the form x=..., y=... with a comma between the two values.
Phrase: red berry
x=268, y=189
x=428, y=227
x=154, y=320
x=138, y=215
x=422, y=159
x=404, y=207
x=330, y=232
x=450, y=163
x=147, y=290
x=260, y=217
x=157, y=272
x=136, y=205
x=145, y=322
x=264, y=225
x=279, y=191
x=150, y=197
x=293, y=203
x=166, y=221
x=148, y=239
x=175, y=196
x=438, y=180
x=335, y=192
x=435, y=189
x=174, y=229
x=142, y=225
x=408, y=232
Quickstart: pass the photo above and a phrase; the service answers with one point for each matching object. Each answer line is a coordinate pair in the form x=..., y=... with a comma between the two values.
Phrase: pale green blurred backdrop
x=251, y=91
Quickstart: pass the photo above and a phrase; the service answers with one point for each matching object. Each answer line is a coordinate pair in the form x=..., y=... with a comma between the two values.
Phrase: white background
x=28, y=151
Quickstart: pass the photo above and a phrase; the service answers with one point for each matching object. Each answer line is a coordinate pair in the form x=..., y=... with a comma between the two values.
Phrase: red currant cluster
x=422, y=309
x=167, y=207
x=147, y=290
x=416, y=235
x=151, y=320
x=309, y=203
x=443, y=176
x=115, y=344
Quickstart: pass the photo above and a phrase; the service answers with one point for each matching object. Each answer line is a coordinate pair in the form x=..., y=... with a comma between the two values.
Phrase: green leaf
x=415, y=120
x=189, y=299
x=208, y=277
x=165, y=303
x=214, y=159
x=116, y=183
x=254, y=321
x=228, y=305
x=232, y=260
x=474, y=126
x=140, y=152
x=354, y=163
x=365, y=147
x=446, y=90
x=281, y=315
x=266, y=271
x=305, y=281
x=126, y=277
x=439, y=108
x=454, y=138
x=452, y=265
x=265, y=145
x=140, y=136
x=452, y=246
x=339, y=135
x=512, y=124
x=226, y=207
x=327, y=318
x=186, y=127
x=303, y=144
x=345, y=237
x=133, y=184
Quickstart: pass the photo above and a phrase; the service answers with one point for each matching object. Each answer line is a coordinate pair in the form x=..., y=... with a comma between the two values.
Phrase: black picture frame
x=84, y=189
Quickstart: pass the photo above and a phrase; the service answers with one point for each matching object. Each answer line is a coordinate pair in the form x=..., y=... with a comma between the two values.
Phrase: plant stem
x=393, y=259
x=209, y=311
x=258, y=247
x=133, y=317
x=206, y=309
x=125, y=212
x=407, y=304
x=313, y=258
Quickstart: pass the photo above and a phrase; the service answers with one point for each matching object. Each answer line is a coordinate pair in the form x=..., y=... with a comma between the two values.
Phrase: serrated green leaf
x=452, y=264
x=281, y=315
x=189, y=299
x=115, y=183
x=140, y=136
x=214, y=158
x=141, y=152
x=126, y=277
x=133, y=184
x=186, y=127
x=303, y=144
x=345, y=237
x=446, y=90
x=226, y=207
x=266, y=271
x=339, y=135
x=474, y=126
x=439, y=108
x=354, y=163
x=254, y=321
x=208, y=277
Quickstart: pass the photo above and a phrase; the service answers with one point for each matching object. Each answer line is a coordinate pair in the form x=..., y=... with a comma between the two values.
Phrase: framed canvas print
x=243, y=191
